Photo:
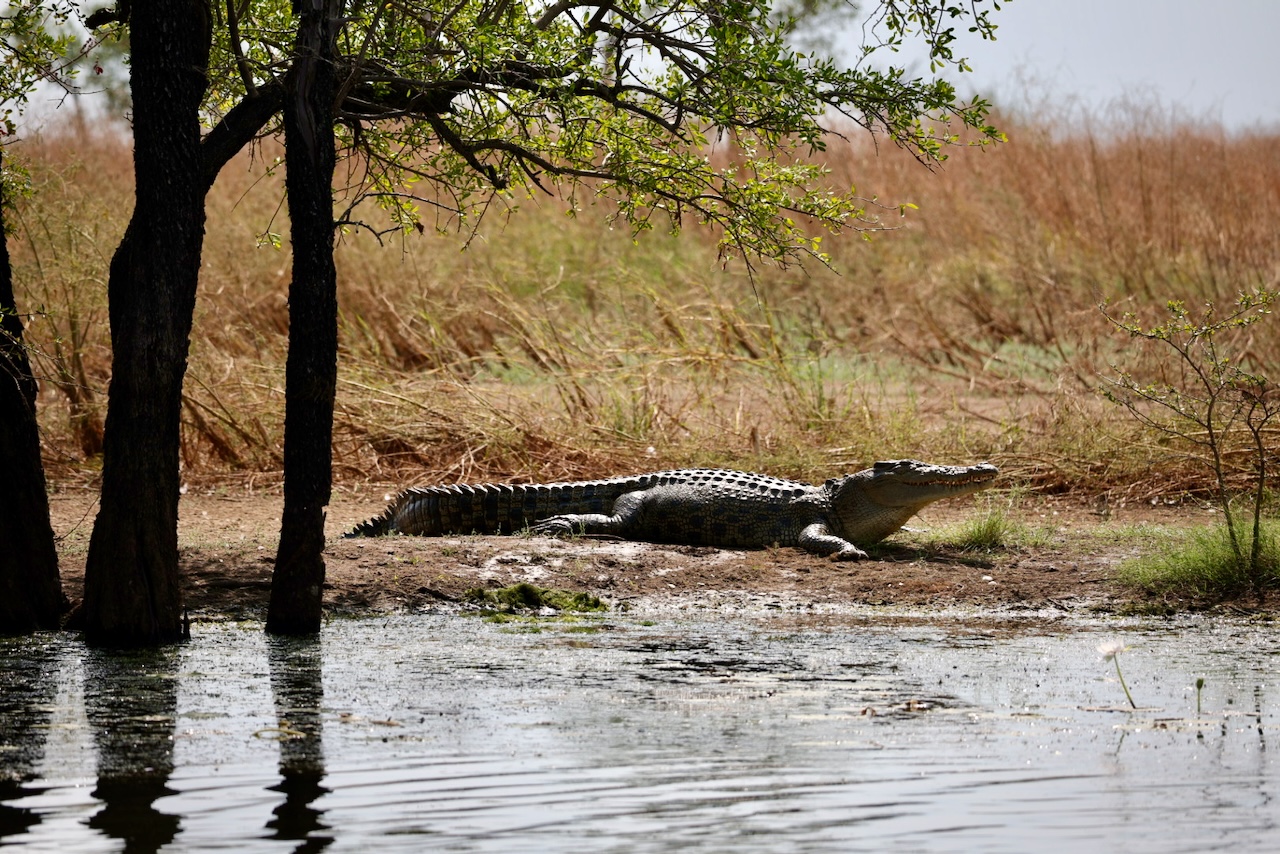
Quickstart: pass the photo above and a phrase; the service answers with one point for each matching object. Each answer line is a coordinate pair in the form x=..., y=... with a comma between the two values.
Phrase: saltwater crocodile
x=710, y=507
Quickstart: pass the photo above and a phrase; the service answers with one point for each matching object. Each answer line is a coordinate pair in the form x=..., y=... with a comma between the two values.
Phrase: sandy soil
x=228, y=539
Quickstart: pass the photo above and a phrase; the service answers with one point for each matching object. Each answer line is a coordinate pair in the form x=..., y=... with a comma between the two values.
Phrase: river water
x=736, y=733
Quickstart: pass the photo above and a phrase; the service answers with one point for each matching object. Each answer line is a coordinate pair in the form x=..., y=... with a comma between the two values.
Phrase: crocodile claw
x=557, y=526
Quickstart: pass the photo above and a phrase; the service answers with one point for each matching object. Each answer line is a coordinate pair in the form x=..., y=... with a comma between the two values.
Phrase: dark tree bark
x=132, y=596
x=30, y=589
x=312, y=365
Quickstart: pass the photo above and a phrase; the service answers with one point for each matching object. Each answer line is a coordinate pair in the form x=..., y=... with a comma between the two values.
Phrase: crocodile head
x=873, y=503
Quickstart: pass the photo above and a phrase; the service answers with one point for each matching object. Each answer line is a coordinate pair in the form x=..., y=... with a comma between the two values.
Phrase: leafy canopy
x=34, y=47
x=672, y=111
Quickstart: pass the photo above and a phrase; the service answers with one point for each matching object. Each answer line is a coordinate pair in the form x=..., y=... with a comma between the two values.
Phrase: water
x=444, y=732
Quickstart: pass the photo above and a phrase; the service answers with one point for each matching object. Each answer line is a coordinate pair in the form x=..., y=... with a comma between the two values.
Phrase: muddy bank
x=228, y=540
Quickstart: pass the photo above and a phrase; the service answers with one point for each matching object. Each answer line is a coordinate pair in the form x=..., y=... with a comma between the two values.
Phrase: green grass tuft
x=993, y=530
x=996, y=528
x=1204, y=566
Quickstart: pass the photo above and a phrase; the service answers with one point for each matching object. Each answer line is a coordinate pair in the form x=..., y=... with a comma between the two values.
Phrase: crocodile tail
x=495, y=508
x=375, y=527
x=436, y=510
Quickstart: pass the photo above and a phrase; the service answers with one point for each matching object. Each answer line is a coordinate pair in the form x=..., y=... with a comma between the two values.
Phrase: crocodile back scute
x=507, y=508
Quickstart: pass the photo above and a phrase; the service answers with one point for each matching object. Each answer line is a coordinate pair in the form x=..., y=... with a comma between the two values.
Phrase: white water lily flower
x=1111, y=649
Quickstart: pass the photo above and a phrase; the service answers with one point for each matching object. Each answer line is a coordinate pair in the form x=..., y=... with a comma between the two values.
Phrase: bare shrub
x=1213, y=401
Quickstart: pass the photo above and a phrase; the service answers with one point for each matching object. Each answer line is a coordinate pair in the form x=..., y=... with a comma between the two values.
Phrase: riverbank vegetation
x=548, y=346
x=1203, y=564
x=552, y=346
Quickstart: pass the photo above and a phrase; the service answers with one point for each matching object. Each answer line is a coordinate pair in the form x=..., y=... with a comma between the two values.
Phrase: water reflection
x=130, y=701
x=442, y=732
x=29, y=679
x=298, y=689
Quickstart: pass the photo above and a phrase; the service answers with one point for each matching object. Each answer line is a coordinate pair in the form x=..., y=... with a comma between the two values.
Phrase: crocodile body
x=711, y=507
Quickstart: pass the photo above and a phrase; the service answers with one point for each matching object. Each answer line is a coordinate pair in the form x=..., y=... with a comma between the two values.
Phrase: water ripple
x=446, y=733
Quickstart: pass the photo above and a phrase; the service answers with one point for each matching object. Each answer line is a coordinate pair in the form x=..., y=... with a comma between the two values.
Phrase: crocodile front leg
x=818, y=539
x=577, y=525
x=626, y=510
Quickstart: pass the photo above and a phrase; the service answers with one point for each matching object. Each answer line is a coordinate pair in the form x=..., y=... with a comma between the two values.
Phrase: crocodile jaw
x=872, y=504
x=911, y=483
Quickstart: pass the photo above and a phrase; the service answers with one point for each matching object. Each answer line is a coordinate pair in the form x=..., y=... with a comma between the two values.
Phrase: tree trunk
x=312, y=365
x=132, y=596
x=30, y=589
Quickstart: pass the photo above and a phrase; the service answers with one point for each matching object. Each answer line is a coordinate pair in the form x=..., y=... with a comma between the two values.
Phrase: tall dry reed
x=555, y=347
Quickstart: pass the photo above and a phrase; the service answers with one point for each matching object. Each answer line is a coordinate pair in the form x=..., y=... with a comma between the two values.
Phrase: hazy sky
x=1212, y=59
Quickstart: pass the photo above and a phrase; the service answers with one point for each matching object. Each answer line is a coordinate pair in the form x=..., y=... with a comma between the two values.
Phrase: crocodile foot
x=558, y=526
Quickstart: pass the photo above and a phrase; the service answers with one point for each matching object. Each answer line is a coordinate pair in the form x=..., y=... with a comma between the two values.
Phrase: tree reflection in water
x=131, y=700
x=297, y=685
x=26, y=696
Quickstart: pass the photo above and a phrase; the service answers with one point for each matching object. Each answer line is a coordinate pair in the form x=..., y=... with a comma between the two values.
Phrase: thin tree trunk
x=311, y=368
x=132, y=595
x=30, y=589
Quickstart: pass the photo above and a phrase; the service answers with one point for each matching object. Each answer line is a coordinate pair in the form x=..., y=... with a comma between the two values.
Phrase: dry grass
x=556, y=348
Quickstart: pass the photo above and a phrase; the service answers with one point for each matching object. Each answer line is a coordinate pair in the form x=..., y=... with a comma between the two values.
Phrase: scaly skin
x=710, y=507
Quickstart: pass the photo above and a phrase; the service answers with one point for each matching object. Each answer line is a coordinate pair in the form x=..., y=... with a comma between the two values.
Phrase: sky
x=1206, y=59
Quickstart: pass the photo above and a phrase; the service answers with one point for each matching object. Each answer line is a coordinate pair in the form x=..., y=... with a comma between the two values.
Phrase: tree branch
x=242, y=63
x=238, y=128
x=109, y=15
x=554, y=11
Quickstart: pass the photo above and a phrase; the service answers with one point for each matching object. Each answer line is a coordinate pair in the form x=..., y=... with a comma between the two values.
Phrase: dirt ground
x=228, y=537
